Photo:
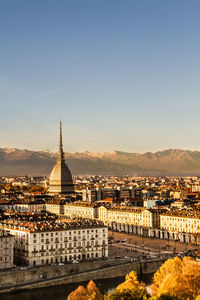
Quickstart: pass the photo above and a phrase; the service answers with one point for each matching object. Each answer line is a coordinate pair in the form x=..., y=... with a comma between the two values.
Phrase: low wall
x=73, y=273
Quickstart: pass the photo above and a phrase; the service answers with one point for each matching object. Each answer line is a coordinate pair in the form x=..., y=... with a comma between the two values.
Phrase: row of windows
x=5, y=258
x=75, y=244
x=69, y=232
x=180, y=219
x=68, y=258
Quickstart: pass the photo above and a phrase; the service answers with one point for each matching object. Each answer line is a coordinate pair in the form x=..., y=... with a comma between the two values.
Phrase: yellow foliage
x=89, y=293
x=8, y=186
x=177, y=277
x=131, y=282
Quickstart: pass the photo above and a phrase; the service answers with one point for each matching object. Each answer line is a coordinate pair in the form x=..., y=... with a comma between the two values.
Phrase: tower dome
x=60, y=180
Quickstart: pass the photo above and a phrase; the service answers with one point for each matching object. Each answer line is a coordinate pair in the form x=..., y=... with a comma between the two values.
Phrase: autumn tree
x=36, y=188
x=91, y=292
x=131, y=289
x=177, y=278
x=166, y=297
x=8, y=187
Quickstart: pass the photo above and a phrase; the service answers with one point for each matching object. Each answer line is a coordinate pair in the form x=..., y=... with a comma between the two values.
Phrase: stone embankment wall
x=13, y=280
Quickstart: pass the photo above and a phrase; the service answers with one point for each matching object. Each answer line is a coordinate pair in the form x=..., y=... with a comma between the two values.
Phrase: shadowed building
x=60, y=181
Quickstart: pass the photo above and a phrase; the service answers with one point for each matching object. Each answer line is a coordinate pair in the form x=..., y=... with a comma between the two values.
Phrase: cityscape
x=100, y=152
x=60, y=221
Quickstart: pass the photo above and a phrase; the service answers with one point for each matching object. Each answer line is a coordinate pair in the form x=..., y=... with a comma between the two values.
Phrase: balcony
x=34, y=251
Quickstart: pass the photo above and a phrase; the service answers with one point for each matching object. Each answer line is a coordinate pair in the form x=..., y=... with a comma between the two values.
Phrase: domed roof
x=60, y=173
x=60, y=180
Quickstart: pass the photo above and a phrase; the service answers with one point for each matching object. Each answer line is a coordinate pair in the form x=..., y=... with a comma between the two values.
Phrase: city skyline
x=121, y=76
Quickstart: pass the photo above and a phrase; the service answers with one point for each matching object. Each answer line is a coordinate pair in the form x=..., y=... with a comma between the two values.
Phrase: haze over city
x=122, y=75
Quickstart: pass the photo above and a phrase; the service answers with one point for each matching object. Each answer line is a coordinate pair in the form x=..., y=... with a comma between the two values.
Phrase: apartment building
x=180, y=221
x=38, y=243
x=81, y=210
x=35, y=206
x=54, y=207
x=6, y=249
x=129, y=215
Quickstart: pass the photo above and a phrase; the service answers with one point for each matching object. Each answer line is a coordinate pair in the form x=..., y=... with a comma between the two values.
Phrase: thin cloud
x=50, y=92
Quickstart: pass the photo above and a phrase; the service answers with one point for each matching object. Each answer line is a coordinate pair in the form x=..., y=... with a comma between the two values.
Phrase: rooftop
x=48, y=226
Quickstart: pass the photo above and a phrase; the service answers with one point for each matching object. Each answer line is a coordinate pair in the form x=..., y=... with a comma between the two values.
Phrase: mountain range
x=167, y=162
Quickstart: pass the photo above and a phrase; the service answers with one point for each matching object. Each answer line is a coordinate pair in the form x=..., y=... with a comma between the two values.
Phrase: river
x=62, y=291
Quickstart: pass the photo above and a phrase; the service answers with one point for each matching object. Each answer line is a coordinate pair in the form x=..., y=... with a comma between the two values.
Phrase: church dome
x=60, y=180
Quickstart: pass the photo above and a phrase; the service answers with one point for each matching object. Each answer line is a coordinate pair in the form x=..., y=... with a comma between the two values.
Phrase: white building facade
x=57, y=242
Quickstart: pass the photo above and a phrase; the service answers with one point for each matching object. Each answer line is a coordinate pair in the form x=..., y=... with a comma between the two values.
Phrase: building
x=34, y=206
x=81, y=210
x=180, y=221
x=60, y=181
x=6, y=249
x=90, y=195
x=99, y=194
x=55, y=242
x=129, y=215
x=54, y=206
x=127, y=192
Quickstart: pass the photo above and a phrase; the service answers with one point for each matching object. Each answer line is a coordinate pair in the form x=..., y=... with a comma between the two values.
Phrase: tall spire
x=60, y=153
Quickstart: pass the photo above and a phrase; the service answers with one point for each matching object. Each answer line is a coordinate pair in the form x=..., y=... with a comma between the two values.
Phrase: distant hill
x=167, y=162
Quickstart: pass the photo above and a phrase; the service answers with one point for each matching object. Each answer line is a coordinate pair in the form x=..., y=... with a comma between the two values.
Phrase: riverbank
x=61, y=292
x=47, y=276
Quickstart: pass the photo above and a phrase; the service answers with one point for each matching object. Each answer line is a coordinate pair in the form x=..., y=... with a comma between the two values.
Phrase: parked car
x=75, y=262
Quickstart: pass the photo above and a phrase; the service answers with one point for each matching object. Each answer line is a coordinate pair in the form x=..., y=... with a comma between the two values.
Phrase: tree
x=91, y=292
x=131, y=282
x=176, y=277
x=131, y=289
x=36, y=188
x=8, y=186
x=128, y=294
x=166, y=297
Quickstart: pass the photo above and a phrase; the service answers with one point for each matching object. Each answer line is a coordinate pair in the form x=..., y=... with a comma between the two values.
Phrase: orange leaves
x=177, y=277
x=131, y=282
x=91, y=292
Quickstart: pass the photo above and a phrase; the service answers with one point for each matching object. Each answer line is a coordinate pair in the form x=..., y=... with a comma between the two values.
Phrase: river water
x=62, y=291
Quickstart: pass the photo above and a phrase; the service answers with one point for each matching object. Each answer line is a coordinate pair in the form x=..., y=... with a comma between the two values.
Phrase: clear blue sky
x=121, y=74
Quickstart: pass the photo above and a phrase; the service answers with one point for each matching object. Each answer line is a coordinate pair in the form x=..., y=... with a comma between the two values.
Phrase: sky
x=120, y=74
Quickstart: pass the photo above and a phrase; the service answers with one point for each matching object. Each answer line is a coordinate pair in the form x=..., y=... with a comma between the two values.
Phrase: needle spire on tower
x=60, y=153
